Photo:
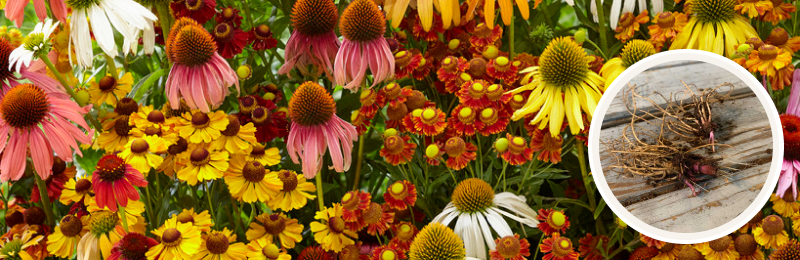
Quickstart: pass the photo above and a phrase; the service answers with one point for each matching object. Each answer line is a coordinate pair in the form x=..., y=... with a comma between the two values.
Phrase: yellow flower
x=768, y=59
x=201, y=221
x=109, y=90
x=668, y=251
x=506, y=10
x=115, y=134
x=178, y=241
x=276, y=225
x=753, y=8
x=77, y=190
x=665, y=27
x=65, y=237
x=770, y=234
x=330, y=231
x=263, y=249
x=633, y=52
x=221, y=245
x=783, y=207
x=715, y=27
x=199, y=127
x=261, y=154
x=104, y=232
x=249, y=181
x=176, y=150
x=630, y=24
x=561, y=86
x=719, y=249
x=202, y=165
x=142, y=153
x=15, y=246
x=236, y=138
x=450, y=10
x=134, y=210
x=295, y=193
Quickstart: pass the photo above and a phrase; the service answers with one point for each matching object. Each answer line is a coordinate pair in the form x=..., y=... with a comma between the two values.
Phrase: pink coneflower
x=31, y=119
x=362, y=26
x=791, y=139
x=35, y=73
x=200, y=75
x=313, y=41
x=15, y=10
x=315, y=128
x=113, y=181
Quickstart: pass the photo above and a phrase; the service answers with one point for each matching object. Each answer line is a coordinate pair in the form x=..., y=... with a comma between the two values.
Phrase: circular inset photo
x=688, y=147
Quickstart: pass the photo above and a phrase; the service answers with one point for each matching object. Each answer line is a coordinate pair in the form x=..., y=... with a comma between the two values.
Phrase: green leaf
x=599, y=208
x=145, y=83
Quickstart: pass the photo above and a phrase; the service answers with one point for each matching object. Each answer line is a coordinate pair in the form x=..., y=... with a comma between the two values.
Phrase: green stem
x=511, y=38
x=359, y=160
x=112, y=67
x=123, y=216
x=246, y=8
x=600, y=51
x=320, y=193
x=601, y=28
x=588, y=186
x=210, y=204
x=238, y=223
x=67, y=88
x=148, y=200
x=164, y=17
x=502, y=175
x=48, y=209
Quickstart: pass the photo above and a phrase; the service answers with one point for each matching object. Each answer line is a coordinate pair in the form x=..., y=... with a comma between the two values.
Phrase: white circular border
x=677, y=237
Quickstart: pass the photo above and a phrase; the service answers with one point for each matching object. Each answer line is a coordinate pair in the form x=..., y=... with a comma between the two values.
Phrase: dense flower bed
x=364, y=129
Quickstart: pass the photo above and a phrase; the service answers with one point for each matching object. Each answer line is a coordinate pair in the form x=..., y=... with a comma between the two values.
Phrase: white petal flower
x=33, y=45
x=617, y=9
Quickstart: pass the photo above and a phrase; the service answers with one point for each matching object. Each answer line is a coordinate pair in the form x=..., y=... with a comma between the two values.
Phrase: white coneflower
x=126, y=16
x=478, y=210
x=34, y=44
x=630, y=5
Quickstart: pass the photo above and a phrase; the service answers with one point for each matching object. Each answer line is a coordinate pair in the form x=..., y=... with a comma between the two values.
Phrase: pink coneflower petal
x=41, y=153
x=788, y=178
x=793, y=108
x=59, y=9
x=40, y=8
x=15, y=11
x=13, y=164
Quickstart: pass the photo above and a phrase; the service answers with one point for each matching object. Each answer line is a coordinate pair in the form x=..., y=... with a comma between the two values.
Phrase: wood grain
x=743, y=126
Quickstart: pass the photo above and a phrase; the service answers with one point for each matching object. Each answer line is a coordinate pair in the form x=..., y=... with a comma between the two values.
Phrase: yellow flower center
x=509, y=247
x=562, y=247
x=473, y=195
x=398, y=190
x=270, y=251
x=24, y=106
x=437, y=241
x=489, y=116
x=635, y=51
x=711, y=11
x=563, y=63
x=103, y=222
x=388, y=255
x=429, y=116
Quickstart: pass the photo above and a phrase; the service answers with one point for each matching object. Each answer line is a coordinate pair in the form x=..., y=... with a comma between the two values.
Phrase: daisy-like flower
x=401, y=195
x=295, y=193
x=262, y=38
x=629, y=6
x=175, y=151
x=315, y=252
x=114, y=182
x=313, y=41
x=108, y=90
x=201, y=221
x=363, y=47
x=633, y=52
x=771, y=234
x=316, y=129
x=32, y=120
x=459, y=153
x=230, y=39
x=178, y=241
x=276, y=226
x=719, y=249
x=126, y=16
x=221, y=245
x=746, y=246
x=503, y=69
x=474, y=204
x=330, y=231
x=104, y=231
x=785, y=206
x=630, y=24
x=116, y=132
x=753, y=8
x=77, y=190
x=714, y=19
x=768, y=59
x=265, y=156
x=132, y=246
x=36, y=43
x=669, y=251
x=384, y=252
x=437, y=241
x=429, y=121
x=193, y=51
x=464, y=121
x=562, y=76
x=404, y=234
x=557, y=247
x=262, y=249
x=547, y=147
x=518, y=151
x=780, y=11
x=781, y=39
x=65, y=237
x=204, y=165
x=353, y=203
x=791, y=156
x=450, y=68
x=376, y=218
x=788, y=251
x=198, y=10
x=143, y=153
x=406, y=62
x=511, y=248
x=552, y=221
x=473, y=94
x=16, y=245
x=589, y=247
x=249, y=181
x=202, y=127
x=506, y=10
x=665, y=28
x=397, y=149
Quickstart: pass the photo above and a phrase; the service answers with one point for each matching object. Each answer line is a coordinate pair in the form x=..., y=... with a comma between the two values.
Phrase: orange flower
x=450, y=68
x=353, y=202
x=428, y=121
x=548, y=146
x=405, y=62
x=651, y=242
x=463, y=121
x=501, y=68
x=552, y=221
x=783, y=78
x=404, y=233
x=753, y=8
x=589, y=246
x=780, y=38
x=459, y=153
x=558, y=248
x=665, y=27
x=495, y=120
x=780, y=11
x=518, y=151
x=629, y=24
x=397, y=149
x=401, y=195
x=473, y=94
x=511, y=248
x=767, y=60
